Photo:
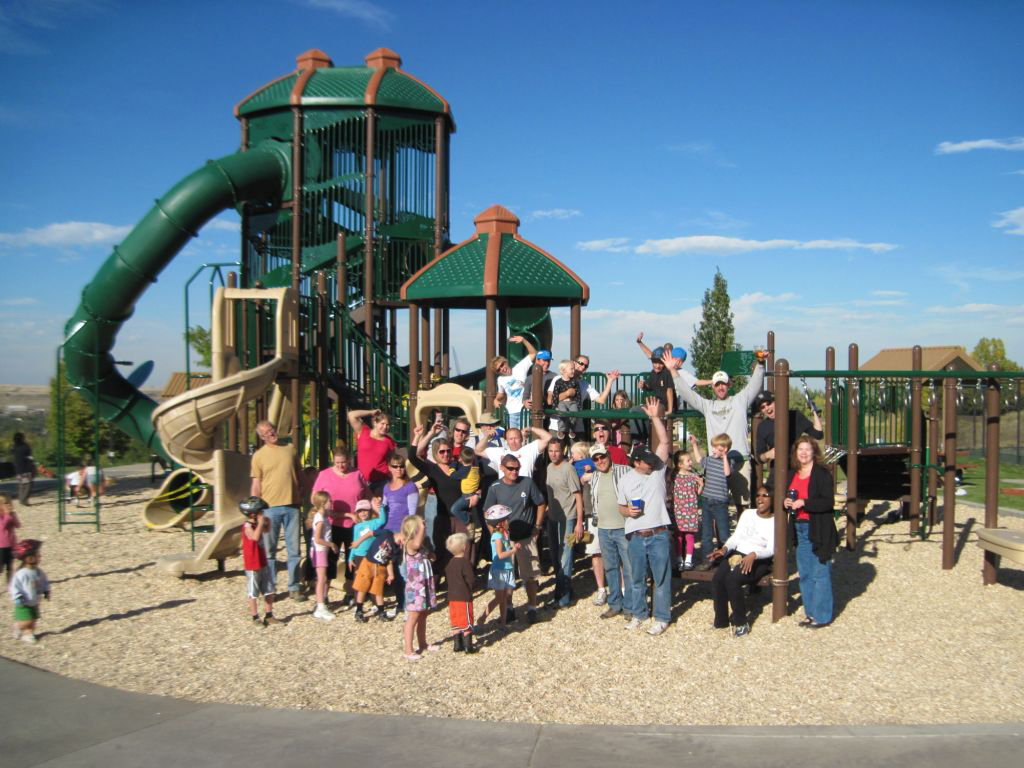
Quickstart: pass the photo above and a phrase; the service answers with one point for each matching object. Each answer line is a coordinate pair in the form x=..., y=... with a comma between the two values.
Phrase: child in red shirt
x=258, y=579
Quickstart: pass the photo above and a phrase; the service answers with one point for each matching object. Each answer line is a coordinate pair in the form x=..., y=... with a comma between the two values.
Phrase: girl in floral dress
x=419, y=587
x=686, y=486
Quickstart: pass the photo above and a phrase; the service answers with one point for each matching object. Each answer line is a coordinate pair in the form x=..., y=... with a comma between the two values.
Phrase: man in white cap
x=723, y=413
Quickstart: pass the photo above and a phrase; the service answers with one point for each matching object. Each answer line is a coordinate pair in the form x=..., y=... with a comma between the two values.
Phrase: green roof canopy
x=318, y=83
x=495, y=263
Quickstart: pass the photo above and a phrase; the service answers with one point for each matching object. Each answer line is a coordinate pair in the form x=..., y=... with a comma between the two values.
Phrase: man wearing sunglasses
x=611, y=536
x=525, y=524
x=526, y=454
x=603, y=436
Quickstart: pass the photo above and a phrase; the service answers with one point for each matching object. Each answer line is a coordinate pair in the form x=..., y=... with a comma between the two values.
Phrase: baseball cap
x=763, y=398
x=720, y=376
x=646, y=455
x=679, y=353
x=656, y=359
x=598, y=449
x=363, y=504
x=544, y=354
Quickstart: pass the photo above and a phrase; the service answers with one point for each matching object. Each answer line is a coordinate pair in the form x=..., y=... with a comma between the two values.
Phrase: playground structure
x=342, y=184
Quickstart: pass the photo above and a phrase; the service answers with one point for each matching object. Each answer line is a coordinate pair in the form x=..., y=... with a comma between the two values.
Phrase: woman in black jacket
x=811, y=501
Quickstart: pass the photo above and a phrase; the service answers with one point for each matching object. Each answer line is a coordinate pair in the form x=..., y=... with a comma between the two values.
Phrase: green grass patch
x=1011, y=478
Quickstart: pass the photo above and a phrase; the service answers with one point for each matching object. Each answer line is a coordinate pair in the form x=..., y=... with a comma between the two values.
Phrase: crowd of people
x=467, y=506
x=492, y=504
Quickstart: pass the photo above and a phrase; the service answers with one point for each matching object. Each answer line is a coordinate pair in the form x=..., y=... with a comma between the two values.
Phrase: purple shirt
x=401, y=504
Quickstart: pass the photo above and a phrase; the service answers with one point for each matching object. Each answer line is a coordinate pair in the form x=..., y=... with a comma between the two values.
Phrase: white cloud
x=66, y=234
x=20, y=301
x=715, y=244
x=1016, y=173
x=372, y=13
x=610, y=244
x=716, y=220
x=1011, y=221
x=224, y=225
x=896, y=294
x=1015, y=143
x=556, y=213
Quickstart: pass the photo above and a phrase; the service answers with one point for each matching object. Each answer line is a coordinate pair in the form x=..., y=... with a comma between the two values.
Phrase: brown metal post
x=769, y=361
x=414, y=358
x=341, y=291
x=992, y=400
x=437, y=341
x=323, y=447
x=297, y=176
x=445, y=343
x=780, y=564
x=915, y=442
x=949, y=470
x=852, y=435
x=537, y=403
x=490, y=349
x=425, y=347
x=575, y=317
x=503, y=333
x=828, y=426
x=368, y=239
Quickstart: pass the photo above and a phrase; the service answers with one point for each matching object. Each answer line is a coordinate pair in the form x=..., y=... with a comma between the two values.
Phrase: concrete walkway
x=49, y=720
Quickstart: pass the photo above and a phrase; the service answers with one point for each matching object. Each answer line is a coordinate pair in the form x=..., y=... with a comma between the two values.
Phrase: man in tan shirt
x=275, y=479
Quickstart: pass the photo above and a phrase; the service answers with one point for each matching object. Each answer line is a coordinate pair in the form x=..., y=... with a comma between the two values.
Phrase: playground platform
x=67, y=723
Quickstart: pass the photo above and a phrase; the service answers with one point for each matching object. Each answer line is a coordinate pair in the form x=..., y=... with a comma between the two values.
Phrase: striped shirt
x=716, y=486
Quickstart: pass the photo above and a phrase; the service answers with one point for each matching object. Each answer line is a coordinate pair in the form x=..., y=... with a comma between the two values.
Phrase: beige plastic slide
x=191, y=427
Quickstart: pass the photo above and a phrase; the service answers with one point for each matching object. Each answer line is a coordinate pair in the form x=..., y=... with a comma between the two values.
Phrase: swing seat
x=999, y=541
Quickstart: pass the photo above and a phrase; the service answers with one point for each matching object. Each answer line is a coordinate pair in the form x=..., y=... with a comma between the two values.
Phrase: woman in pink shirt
x=345, y=486
x=8, y=522
x=374, y=446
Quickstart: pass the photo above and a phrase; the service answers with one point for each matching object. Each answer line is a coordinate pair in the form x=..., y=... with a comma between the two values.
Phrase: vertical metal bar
x=829, y=427
x=414, y=343
x=537, y=403
x=852, y=438
x=769, y=361
x=445, y=343
x=933, y=452
x=490, y=348
x=233, y=423
x=780, y=563
x=992, y=402
x=61, y=464
x=915, y=442
x=297, y=175
x=575, y=315
x=949, y=471
x=425, y=342
x=368, y=242
x=322, y=454
x=503, y=333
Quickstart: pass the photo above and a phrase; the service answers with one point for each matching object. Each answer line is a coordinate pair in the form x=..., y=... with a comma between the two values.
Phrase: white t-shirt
x=325, y=532
x=527, y=456
x=514, y=385
x=651, y=488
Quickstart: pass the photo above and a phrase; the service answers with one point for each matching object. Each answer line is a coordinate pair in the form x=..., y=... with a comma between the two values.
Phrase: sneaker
x=657, y=627
x=633, y=623
x=601, y=598
x=29, y=638
x=741, y=630
x=391, y=613
x=371, y=609
x=687, y=564
x=610, y=612
x=385, y=616
x=323, y=612
x=297, y=596
x=360, y=616
x=271, y=619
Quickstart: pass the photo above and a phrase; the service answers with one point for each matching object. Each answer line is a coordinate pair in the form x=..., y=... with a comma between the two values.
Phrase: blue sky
x=856, y=170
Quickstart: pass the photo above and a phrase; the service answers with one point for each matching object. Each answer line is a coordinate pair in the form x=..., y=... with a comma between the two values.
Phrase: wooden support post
x=915, y=442
x=992, y=401
x=575, y=317
x=949, y=470
x=780, y=564
x=537, y=403
x=490, y=349
x=853, y=390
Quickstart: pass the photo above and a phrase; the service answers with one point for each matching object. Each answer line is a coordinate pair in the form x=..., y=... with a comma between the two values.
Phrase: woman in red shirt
x=811, y=501
x=374, y=446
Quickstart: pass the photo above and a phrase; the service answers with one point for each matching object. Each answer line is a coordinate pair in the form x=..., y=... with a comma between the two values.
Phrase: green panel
x=319, y=256
x=738, y=363
x=411, y=226
x=314, y=119
x=460, y=273
x=398, y=90
x=387, y=123
x=340, y=85
x=527, y=272
x=274, y=95
x=274, y=125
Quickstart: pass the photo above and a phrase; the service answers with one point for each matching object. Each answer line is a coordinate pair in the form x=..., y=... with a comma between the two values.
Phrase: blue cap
x=679, y=353
x=544, y=354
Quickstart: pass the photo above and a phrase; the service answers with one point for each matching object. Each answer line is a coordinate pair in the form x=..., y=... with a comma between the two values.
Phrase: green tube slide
x=260, y=174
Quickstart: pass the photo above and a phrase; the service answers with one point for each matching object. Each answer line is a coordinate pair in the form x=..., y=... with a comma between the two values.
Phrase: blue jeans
x=429, y=516
x=718, y=511
x=561, y=559
x=615, y=555
x=288, y=517
x=654, y=552
x=815, y=578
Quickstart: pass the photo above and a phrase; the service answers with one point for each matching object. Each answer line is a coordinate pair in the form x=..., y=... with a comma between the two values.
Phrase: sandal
x=412, y=656
x=806, y=623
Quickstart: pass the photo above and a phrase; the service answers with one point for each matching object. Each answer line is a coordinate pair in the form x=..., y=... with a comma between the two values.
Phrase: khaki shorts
x=370, y=577
x=528, y=559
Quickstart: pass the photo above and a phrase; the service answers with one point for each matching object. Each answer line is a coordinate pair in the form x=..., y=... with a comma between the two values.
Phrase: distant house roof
x=932, y=359
x=178, y=383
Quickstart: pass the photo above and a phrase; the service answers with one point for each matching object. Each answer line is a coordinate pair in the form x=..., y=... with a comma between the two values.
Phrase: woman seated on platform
x=754, y=539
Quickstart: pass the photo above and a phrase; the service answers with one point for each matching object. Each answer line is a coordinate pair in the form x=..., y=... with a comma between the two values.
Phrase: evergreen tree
x=715, y=335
